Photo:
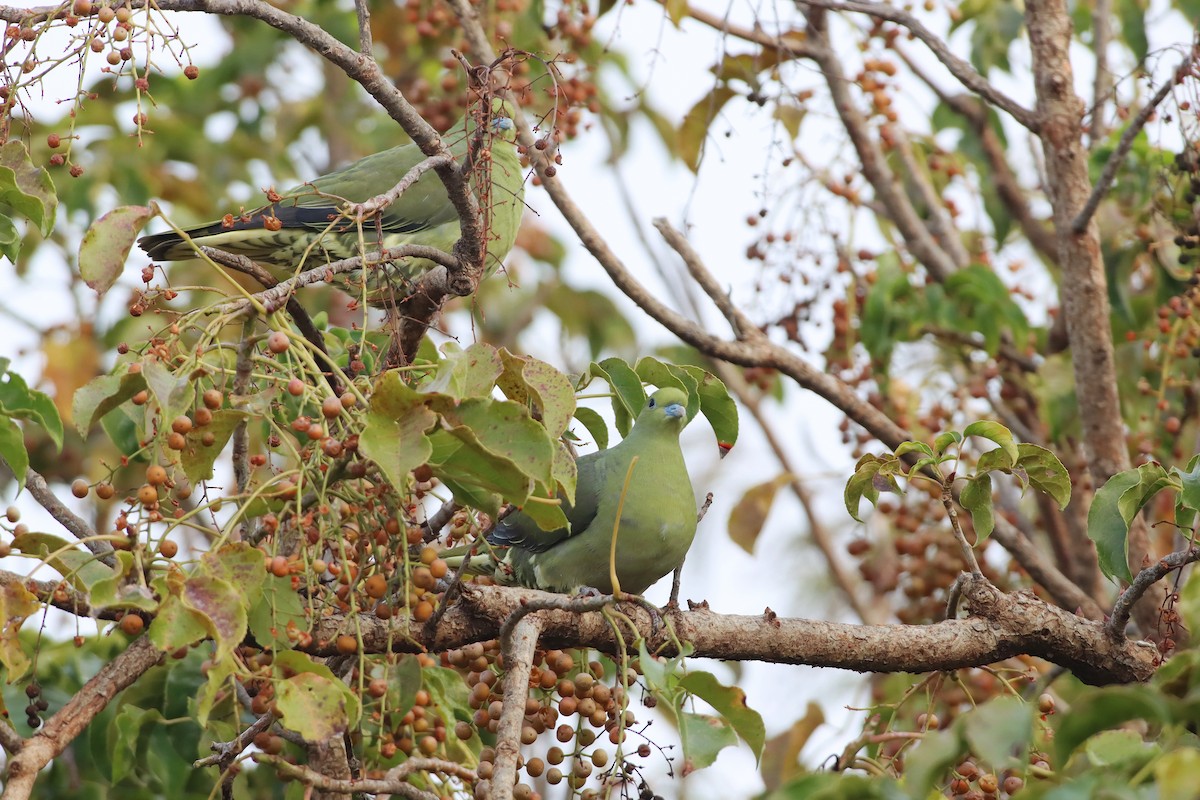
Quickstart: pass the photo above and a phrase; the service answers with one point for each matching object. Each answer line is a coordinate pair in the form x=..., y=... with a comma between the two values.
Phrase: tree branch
x=519, y=647
x=1001, y=626
x=1144, y=580
x=959, y=68
x=38, y=487
x=1080, y=223
x=62, y=728
x=920, y=241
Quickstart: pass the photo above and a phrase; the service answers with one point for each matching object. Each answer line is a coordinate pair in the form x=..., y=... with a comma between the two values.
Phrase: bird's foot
x=587, y=592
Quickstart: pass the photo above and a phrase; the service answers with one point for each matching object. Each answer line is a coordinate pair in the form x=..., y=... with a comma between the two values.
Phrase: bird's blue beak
x=503, y=124
x=675, y=410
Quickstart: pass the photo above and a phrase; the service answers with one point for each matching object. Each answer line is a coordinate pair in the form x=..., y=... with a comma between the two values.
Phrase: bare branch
x=62, y=728
x=959, y=68
x=367, y=208
x=899, y=208
x=743, y=328
x=1080, y=223
x=363, y=11
x=939, y=222
x=1141, y=583
x=398, y=786
x=1102, y=82
x=37, y=487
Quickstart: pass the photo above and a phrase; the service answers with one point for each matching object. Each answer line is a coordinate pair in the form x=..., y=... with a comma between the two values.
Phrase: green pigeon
x=658, y=519
x=308, y=215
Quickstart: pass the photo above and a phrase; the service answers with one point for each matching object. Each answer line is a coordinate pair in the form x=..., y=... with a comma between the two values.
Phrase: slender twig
x=899, y=209
x=743, y=327
x=398, y=785
x=436, y=521
x=225, y=753
x=1141, y=583
x=959, y=68
x=953, y=595
x=298, y=312
x=968, y=553
x=1102, y=79
x=1109, y=174
x=41, y=492
x=363, y=11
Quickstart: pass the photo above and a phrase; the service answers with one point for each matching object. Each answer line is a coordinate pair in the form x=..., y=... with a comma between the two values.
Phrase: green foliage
x=25, y=189
x=19, y=402
x=1123, y=497
x=703, y=736
x=1031, y=465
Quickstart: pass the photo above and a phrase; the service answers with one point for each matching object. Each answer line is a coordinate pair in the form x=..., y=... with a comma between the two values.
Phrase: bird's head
x=666, y=407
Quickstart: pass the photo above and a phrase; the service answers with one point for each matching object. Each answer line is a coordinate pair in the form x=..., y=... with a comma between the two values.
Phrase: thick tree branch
x=1102, y=83
x=62, y=728
x=1001, y=626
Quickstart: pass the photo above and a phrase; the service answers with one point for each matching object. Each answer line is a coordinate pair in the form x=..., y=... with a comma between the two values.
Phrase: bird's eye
x=652, y=403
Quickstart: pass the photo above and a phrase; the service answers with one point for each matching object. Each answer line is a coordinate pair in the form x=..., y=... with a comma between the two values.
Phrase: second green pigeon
x=303, y=229
x=658, y=518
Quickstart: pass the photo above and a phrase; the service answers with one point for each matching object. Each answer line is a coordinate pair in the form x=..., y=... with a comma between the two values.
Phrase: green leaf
x=694, y=130
x=976, y=497
x=463, y=374
x=120, y=589
x=1045, y=472
x=1117, y=749
x=504, y=430
x=999, y=730
x=222, y=607
x=596, y=427
x=1189, y=493
x=10, y=237
x=12, y=450
x=718, y=407
x=197, y=458
x=748, y=516
x=545, y=390
x=872, y=474
x=26, y=188
x=937, y=752
x=101, y=395
x=176, y=626
x=730, y=703
x=995, y=432
x=77, y=566
x=313, y=702
x=171, y=392
x=661, y=374
x=276, y=610
x=394, y=436
x=1107, y=708
x=18, y=401
x=628, y=395
x=107, y=242
x=914, y=447
x=1108, y=529
x=703, y=737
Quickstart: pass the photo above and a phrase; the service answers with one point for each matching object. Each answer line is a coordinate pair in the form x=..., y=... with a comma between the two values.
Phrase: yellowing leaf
x=747, y=518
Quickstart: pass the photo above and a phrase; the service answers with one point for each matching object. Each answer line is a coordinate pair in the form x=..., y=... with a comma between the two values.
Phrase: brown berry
x=80, y=488
x=132, y=624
